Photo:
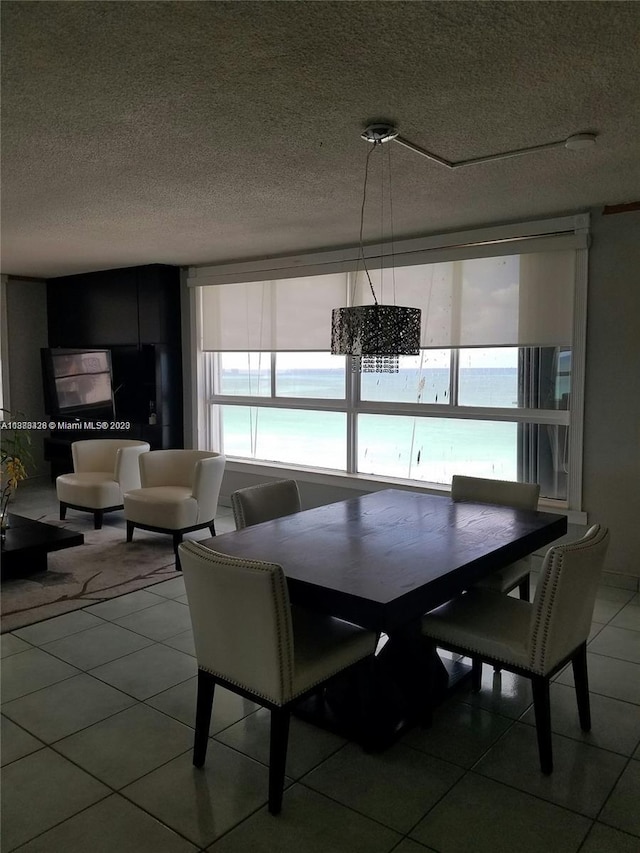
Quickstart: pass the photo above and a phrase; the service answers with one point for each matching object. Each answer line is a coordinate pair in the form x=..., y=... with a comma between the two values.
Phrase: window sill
x=370, y=483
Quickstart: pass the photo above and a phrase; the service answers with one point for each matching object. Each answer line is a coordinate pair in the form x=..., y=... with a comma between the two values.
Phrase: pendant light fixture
x=375, y=336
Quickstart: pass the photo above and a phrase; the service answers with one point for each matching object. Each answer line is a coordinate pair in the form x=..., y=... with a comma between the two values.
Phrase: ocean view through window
x=445, y=412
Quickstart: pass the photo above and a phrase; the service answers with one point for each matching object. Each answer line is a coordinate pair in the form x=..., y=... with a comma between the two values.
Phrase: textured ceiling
x=190, y=132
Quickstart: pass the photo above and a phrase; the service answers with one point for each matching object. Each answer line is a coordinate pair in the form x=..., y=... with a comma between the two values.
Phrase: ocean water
x=429, y=449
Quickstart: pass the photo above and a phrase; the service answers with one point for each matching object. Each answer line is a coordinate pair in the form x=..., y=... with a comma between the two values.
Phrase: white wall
x=611, y=480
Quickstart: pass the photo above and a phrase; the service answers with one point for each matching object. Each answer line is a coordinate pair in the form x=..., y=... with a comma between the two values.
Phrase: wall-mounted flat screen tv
x=77, y=382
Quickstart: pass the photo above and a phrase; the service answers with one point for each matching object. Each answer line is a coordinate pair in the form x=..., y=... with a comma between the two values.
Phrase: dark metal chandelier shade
x=375, y=335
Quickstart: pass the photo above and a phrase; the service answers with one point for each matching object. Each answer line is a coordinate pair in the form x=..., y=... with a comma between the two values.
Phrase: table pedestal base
x=407, y=679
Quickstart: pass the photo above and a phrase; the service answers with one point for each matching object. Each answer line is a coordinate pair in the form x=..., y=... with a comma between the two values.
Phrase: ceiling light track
x=379, y=132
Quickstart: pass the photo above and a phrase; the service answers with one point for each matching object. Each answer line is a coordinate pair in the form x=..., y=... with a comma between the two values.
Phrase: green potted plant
x=14, y=456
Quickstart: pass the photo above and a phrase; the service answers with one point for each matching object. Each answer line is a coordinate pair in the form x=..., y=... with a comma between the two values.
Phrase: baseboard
x=620, y=581
x=608, y=579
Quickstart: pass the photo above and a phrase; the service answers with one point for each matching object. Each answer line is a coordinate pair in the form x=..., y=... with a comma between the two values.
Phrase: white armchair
x=103, y=469
x=536, y=639
x=250, y=641
x=178, y=493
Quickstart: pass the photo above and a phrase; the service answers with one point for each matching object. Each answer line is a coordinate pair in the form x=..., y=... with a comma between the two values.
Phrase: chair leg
x=431, y=681
x=476, y=675
x=130, y=529
x=63, y=511
x=98, y=516
x=581, y=680
x=366, y=686
x=542, y=709
x=279, y=741
x=204, y=704
x=177, y=539
x=212, y=528
x=524, y=589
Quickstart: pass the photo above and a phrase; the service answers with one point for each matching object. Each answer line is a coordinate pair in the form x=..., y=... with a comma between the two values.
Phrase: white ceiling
x=190, y=132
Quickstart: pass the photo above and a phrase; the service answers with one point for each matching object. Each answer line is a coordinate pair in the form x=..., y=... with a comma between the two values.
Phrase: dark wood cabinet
x=158, y=305
x=135, y=313
x=95, y=309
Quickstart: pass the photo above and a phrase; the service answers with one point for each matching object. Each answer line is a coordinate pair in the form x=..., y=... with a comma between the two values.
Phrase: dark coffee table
x=27, y=543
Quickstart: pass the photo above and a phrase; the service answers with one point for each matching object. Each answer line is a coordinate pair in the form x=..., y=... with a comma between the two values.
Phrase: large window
x=493, y=392
x=445, y=412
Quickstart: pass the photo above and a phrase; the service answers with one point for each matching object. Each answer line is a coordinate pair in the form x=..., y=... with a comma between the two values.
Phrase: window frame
x=423, y=250
x=353, y=406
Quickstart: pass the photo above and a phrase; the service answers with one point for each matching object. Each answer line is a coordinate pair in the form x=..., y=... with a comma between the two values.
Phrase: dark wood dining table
x=383, y=560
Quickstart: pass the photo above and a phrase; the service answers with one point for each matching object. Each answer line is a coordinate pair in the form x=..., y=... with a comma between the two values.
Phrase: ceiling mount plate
x=580, y=141
x=379, y=131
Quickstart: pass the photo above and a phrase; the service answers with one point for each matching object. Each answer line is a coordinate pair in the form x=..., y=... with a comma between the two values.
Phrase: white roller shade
x=546, y=298
x=292, y=314
x=512, y=300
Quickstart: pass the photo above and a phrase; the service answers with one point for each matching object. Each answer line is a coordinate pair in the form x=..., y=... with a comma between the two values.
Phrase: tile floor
x=97, y=715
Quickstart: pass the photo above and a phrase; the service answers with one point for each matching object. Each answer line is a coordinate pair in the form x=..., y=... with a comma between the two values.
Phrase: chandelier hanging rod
x=379, y=132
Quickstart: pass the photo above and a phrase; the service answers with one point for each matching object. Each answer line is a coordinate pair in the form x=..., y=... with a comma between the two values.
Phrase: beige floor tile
x=66, y=707
x=618, y=679
x=396, y=787
x=202, y=804
x=59, y=626
x=40, y=791
x=501, y=693
x=124, y=747
x=582, y=778
x=11, y=645
x=160, y=621
x=487, y=817
x=132, y=602
x=96, y=646
x=621, y=810
x=621, y=643
x=32, y=670
x=16, y=742
x=604, y=839
x=182, y=642
x=170, y=589
x=180, y=702
x=308, y=823
x=308, y=744
x=615, y=725
x=629, y=616
x=111, y=825
x=148, y=671
x=460, y=733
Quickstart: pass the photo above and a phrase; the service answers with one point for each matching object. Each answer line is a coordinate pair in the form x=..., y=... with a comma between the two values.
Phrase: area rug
x=104, y=567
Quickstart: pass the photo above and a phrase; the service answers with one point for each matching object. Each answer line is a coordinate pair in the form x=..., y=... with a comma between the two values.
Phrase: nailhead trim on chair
x=540, y=632
x=548, y=591
x=238, y=512
x=284, y=646
x=543, y=604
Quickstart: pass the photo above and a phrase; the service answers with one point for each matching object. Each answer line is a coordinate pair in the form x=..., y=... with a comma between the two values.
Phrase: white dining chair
x=502, y=493
x=536, y=639
x=264, y=502
x=249, y=640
